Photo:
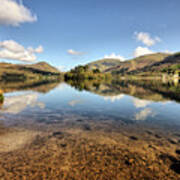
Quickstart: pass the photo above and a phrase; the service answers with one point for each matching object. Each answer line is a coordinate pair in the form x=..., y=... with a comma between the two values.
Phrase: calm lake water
x=65, y=101
x=117, y=130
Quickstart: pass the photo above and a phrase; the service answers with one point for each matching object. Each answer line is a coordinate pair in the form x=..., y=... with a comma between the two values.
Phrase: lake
x=91, y=130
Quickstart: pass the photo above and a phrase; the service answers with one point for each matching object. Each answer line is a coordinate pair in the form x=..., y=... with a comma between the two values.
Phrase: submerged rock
x=178, y=151
x=175, y=167
x=133, y=138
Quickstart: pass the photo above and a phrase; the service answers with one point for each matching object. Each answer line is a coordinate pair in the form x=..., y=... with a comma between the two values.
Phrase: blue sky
x=73, y=32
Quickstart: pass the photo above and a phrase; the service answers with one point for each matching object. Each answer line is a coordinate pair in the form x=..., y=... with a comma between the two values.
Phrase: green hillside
x=138, y=64
x=148, y=64
x=44, y=67
x=171, y=64
x=18, y=72
x=104, y=64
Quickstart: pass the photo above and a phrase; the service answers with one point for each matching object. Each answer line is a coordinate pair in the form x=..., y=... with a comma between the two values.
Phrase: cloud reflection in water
x=18, y=103
x=114, y=98
x=139, y=103
x=75, y=102
x=144, y=114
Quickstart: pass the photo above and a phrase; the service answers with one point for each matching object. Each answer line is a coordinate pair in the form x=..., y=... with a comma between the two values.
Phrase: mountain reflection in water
x=135, y=98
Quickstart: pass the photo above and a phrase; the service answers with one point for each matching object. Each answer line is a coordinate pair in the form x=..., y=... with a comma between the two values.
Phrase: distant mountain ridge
x=155, y=64
x=146, y=63
x=104, y=64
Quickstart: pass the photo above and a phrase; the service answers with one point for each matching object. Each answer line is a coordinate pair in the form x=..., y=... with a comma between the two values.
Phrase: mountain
x=43, y=66
x=170, y=64
x=104, y=64
x=138, y=64
x=143, y=64
x=13, y=72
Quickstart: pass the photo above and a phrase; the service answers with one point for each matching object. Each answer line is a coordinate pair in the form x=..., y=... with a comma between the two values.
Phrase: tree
x=96, y=71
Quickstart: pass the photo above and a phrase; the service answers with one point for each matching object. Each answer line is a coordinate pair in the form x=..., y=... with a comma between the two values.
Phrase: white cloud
x=114, y=56
x=146, y=38
x=13, y=13
x=39, y=49
x=61, y=68
x=144, y=114
x=169, y=52
x=139, y=103
x=140, y=51
x=75, y=53
x=10, y=49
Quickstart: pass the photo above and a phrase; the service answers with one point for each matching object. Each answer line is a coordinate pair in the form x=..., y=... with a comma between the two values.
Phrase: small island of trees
x=85, y=73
